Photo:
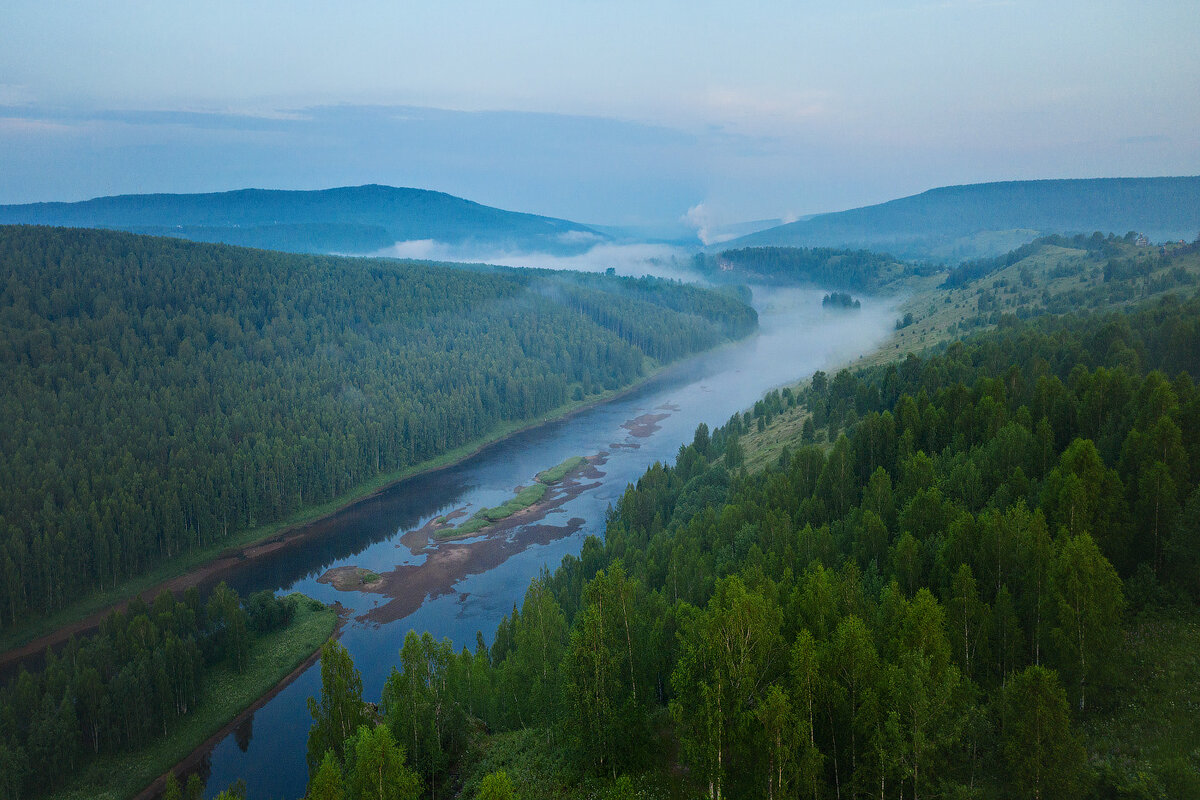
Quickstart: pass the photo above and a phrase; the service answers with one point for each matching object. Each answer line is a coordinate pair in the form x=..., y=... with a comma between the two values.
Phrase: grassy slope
x=224, y=695
x=943, y=315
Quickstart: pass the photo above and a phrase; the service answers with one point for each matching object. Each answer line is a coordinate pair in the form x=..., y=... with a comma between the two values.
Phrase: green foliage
x=1043, y=757
x=840, y=300
x=496, y=786
x=340, y=711
x=328, y=782
x=376, y=769
x=1090, y=603
x=729, y=654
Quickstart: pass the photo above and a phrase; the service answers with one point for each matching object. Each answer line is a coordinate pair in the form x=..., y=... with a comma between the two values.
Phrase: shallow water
x=467, y=587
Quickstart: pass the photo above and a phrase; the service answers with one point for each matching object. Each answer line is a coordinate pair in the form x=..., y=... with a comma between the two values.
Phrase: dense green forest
x=348, y=219
x=827, y=268
x=160, y=395
x=129, y=685
x=954, y=223
x=926, y=595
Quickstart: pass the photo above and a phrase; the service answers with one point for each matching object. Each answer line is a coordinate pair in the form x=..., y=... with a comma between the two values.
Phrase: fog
x=795, y=329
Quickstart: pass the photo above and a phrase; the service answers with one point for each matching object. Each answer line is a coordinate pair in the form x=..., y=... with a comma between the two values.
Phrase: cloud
x=699, y=217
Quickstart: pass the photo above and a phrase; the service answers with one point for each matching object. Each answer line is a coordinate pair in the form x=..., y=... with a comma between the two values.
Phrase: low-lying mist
x=632, y=259
x=798, y=336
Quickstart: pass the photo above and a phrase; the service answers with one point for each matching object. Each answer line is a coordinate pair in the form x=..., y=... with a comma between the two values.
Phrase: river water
x=458, y=588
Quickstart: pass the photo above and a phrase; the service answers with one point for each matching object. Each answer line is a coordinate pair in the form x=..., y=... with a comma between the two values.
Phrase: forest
x=161, y=396
x=130, y=684
x=926, y=595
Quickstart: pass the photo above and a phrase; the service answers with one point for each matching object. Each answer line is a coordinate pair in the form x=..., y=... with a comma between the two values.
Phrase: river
x=455, y=589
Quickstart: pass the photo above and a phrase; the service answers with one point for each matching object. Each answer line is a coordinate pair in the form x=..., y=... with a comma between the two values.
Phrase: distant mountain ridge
x=352, y=219
x=954, y=223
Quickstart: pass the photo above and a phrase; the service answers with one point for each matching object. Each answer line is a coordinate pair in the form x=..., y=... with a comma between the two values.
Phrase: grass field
x=223, y=696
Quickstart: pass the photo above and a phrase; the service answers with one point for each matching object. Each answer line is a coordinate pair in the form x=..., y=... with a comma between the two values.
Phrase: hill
x=160, y=397
x=955, y=223
x=348, y=220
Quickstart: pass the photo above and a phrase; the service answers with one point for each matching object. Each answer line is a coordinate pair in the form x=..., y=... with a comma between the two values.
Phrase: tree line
x=160, y=396
x=127, y=685
x=925, y=605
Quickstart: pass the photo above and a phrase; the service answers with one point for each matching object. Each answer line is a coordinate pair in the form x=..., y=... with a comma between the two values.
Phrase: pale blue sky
x=607, y=112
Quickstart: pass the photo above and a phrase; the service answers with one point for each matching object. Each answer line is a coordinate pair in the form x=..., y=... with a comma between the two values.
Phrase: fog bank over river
x=457, y=588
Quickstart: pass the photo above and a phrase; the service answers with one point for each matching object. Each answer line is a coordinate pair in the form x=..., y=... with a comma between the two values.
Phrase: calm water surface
x=796, y=338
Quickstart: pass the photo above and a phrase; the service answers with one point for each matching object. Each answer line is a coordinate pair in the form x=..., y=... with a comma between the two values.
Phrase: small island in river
x=352, y=578
x=525, y=497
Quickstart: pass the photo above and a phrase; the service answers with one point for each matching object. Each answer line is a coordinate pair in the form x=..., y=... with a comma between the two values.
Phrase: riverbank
x=31, y=639
x=226, y=699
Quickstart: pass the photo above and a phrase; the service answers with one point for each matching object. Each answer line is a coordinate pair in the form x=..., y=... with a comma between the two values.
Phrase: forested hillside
x=955, y=223
x=824, y=267
x=161, y=395
x=350, y=219
x=927, y=595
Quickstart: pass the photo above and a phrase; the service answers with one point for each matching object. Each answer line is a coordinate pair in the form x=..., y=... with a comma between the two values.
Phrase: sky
x=618, y=113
